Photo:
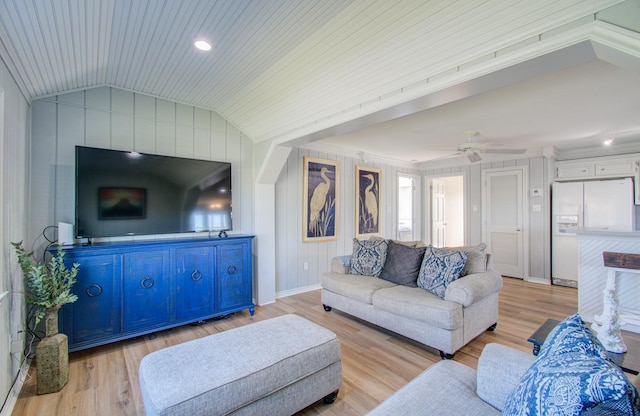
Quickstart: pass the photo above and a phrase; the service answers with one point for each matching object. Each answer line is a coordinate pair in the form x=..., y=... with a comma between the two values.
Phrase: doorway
x=446, y=211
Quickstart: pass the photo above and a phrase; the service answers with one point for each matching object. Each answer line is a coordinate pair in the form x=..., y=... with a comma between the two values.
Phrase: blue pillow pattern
x=439, y=268
x=572, y=336
x=570, y=376
x=368, y=257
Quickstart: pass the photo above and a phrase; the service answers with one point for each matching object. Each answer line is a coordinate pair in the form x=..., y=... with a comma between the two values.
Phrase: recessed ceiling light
x=203, y=45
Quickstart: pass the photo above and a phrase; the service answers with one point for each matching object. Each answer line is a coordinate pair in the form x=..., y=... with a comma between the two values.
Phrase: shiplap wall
x=538, y=225
x=291, y=252
x=111, y=118
x=14, y=132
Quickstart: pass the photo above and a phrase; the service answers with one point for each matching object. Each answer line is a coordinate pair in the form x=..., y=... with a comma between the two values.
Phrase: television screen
x=120, y=193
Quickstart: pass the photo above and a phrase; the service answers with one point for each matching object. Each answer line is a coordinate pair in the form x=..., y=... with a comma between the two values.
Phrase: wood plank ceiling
x=277, y=67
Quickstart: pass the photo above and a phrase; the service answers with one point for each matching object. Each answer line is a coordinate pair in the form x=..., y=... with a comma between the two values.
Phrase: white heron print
x=320, y=195
x=368, y=203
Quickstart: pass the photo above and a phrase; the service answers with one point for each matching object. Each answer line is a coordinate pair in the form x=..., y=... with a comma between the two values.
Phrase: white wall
x=291, y=252
x=111, y=118
x=14, y=133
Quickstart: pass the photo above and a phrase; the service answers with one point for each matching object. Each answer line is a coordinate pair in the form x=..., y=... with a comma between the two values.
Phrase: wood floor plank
x=376, y=362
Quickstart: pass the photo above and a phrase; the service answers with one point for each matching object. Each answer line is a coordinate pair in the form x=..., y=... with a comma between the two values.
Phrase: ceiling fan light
x=474, y=157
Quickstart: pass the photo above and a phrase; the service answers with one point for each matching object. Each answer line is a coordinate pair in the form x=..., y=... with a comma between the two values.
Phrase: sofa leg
x=446, y=356
x=326, y=307
x=330, y=398
x=492, y=327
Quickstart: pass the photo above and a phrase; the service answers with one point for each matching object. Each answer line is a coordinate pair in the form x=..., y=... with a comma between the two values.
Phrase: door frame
x=426, y=232
x=417, y=202
x=525, y=211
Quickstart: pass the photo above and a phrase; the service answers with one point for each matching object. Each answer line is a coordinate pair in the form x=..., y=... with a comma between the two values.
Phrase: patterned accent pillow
x=569, y=376
x=572, y=335
x=368, y=257
x=402, y=264
x=439, y=268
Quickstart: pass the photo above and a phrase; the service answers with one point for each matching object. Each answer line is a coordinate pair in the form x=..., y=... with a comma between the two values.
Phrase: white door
x=438, y=224
x=503, y=214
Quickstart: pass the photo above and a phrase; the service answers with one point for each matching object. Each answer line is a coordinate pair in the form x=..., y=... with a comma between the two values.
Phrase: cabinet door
x=234, y=280
x=615, y=168
x=97, y=312
x=146, y=289
x=194, y=282
x=576, y=171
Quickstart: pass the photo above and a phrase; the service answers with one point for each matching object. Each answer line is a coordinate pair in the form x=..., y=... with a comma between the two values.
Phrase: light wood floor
x=104, y=380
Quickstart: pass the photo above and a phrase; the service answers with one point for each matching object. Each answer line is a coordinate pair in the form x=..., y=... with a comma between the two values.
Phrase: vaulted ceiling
x=400, y=79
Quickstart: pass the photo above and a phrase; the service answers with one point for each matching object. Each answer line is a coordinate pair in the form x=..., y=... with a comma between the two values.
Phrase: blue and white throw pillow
x=368, y=257
x=439, y=268
x=570, y=376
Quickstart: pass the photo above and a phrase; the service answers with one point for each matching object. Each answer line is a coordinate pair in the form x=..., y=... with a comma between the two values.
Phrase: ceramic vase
x=52, y=356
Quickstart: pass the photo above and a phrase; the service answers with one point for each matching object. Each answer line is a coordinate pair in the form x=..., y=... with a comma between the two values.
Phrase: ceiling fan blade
x=474, y=157
x=505, y=151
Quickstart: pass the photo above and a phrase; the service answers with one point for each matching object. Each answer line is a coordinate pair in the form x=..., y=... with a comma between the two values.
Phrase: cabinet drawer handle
x=147, y=282
x=94, y=290
x=196, y=275
x=232, y=269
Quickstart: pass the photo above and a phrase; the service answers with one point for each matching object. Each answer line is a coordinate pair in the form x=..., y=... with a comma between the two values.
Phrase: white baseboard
x=296, y=291
x=538, y=280
x=12, y=398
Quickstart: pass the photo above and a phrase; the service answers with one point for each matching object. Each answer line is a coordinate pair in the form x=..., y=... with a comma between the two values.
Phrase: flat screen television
x=121, y=193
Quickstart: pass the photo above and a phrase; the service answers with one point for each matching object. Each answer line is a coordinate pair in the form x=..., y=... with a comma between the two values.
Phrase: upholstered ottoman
x=273, y=367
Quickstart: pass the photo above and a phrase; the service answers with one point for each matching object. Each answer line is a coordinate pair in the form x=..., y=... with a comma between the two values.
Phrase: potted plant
x=48, y=287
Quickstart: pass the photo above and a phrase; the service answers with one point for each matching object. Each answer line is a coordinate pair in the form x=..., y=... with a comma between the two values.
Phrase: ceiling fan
x=473, y=150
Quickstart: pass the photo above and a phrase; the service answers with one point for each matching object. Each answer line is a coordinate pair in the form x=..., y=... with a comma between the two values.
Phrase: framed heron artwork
x=367, y=201
x=320, y=199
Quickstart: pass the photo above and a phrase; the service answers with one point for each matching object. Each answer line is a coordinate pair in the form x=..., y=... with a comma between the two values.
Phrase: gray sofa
x=469, y=306
x=452, y=388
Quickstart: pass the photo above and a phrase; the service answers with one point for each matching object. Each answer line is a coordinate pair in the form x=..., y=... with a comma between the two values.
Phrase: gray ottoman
x=275, y=367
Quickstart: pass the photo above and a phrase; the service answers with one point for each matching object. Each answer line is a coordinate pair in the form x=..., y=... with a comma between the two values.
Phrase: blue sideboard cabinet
x=134, y=288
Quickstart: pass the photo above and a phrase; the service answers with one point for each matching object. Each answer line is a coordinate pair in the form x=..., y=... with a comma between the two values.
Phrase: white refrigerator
x=605, y=205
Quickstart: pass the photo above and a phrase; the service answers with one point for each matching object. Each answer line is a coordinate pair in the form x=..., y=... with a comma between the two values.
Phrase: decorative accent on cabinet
x=130, y=289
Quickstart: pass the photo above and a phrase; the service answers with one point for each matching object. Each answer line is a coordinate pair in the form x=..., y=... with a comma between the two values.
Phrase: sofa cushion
x=570, y=376
x=368, y=257
x=402, y=264
x=357, y=287
x=419, y=304
x=439, y=268
x=476, y=258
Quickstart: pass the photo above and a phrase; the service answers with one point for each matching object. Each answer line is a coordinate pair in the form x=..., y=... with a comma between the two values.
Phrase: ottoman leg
x=331, y=397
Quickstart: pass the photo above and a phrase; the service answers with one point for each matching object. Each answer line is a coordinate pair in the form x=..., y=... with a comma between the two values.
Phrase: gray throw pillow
x=368, y=257
x=476, y=258
x=403, y=264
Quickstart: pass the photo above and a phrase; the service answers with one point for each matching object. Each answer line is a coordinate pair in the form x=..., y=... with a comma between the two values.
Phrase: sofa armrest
x=341, y=264
x=471, y=288
x=500, y=369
